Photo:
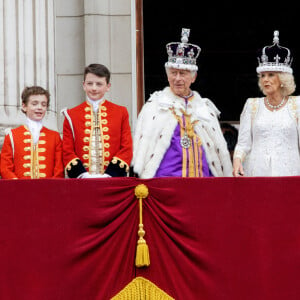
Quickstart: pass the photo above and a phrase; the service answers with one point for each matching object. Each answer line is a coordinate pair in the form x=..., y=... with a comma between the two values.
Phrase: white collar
x=34, y=124
x=35, y=128
x=95, y=103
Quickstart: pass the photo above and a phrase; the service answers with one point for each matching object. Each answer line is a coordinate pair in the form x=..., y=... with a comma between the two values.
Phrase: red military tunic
x=115, y=136
x=20, y=158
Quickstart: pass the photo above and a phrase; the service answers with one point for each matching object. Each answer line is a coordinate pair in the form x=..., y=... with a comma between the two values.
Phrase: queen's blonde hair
x=287, y=82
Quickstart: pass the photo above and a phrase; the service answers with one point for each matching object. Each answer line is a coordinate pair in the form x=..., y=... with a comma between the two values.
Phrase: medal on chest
x=185, y=141
x=187, y=127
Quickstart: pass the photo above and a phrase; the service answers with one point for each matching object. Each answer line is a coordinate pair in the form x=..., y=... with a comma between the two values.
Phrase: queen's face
x=180, y=81
x=270, y=83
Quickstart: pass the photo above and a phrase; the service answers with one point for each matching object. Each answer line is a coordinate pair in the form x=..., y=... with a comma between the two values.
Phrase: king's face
x=180, y=81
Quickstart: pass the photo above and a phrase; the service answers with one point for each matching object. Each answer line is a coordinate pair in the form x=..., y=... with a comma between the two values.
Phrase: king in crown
x=178, y=132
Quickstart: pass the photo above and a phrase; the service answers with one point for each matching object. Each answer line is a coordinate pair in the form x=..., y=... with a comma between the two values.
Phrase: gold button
x=103, y=108
x=106, y=154
x=104, y=121
x=88, y=117
x=104, y=114
x=105, y=129
x=106, y=145
x=106, y=137
x=87, y=131
x=86, y=139
x=85, y=156
x=87, y=109
x=85, y=148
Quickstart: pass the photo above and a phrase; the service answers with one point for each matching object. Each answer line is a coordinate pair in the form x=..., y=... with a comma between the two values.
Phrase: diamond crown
x=183, y=55
x=275, y=57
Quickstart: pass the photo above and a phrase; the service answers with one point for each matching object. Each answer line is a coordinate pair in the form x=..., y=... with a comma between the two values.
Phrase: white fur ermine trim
x=274, y=68
x=180, y=66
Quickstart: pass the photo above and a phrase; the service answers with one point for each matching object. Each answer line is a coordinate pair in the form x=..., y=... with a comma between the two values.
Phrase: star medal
x=185, y=141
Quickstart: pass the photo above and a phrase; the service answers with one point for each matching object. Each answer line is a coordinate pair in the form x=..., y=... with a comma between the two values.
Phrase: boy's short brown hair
x=98, y=70
x=34, y=90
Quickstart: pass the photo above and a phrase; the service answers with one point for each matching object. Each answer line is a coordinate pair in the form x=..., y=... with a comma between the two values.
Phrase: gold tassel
x=142, y=258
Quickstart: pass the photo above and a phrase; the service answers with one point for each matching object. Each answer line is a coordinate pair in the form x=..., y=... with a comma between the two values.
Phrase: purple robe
x=172, y=162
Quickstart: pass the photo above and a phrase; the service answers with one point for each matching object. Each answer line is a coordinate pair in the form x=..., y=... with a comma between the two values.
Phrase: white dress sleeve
x=244, y=142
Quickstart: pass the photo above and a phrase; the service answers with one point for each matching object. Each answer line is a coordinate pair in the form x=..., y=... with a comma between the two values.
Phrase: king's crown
x=183, y=55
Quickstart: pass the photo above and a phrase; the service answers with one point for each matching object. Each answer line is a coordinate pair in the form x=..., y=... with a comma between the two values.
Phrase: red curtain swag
x=210, y=238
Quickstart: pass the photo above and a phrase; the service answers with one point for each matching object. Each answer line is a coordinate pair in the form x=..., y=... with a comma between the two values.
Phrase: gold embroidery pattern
x=122, y=164
x=293, y=107
x=34, y=156
x=254, y=107
x=71, y=163
x=95, y=145
x=104, y=137
x=191, y=156
x=95, y=141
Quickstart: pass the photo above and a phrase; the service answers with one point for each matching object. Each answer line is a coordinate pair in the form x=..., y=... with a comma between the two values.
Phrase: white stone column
x=26, y=57
x=107, y=36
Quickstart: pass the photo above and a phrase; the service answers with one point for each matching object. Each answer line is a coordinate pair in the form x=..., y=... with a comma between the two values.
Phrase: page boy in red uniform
x=97, y=139
x=32, y=151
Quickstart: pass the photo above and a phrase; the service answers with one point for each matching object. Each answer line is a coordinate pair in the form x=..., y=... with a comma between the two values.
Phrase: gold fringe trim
x=142, y=258
x=142, y=289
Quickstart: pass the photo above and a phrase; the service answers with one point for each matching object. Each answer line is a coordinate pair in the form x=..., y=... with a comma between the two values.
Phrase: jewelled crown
x=183, y=55
x=275, y=58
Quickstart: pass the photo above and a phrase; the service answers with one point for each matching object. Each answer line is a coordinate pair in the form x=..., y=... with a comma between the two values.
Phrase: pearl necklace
x=275, y=106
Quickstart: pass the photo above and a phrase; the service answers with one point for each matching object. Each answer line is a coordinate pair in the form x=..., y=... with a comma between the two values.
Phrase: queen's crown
x=275, y=58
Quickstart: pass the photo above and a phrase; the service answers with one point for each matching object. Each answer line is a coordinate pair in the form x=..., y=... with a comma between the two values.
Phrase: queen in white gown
x=268, y=141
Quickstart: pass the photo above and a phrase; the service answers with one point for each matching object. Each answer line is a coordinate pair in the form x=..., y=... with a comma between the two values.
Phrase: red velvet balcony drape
x=211, y=238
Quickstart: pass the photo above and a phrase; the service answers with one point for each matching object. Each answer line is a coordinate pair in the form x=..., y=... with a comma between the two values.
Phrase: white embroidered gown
x=272, y=142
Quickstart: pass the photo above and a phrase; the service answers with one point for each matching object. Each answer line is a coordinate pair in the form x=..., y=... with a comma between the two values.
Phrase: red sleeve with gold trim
x=68, y=143
x=71, y=131
x=7, y=168
x=121, y=156
x=58, y=171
